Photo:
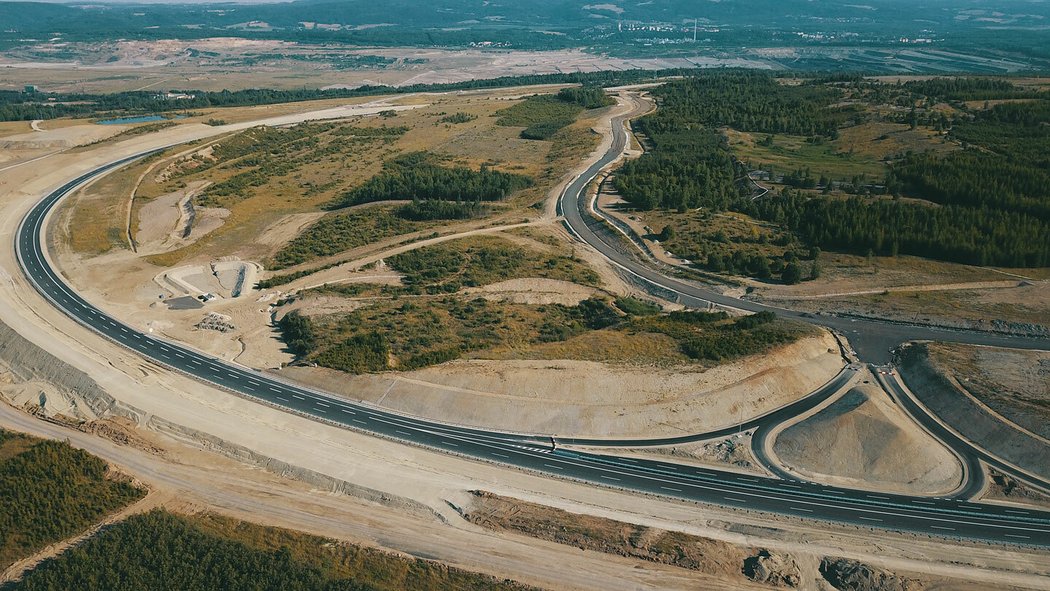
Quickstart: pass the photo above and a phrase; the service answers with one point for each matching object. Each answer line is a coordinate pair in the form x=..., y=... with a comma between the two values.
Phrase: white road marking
x=942, y=527
x=297, y=397
x=553, y=466
x=500, y=455
x=359, y=421
x=608, y=477
x=871, y=519
x=671, y=489
x=1018, y=537
x=801, y=509
x=449, y=443
x=281, y=399
x=319, y=403
x=879, y=497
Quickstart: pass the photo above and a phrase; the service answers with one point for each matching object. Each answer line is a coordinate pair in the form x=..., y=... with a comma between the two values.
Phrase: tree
x=792, y=273
x=814, y=270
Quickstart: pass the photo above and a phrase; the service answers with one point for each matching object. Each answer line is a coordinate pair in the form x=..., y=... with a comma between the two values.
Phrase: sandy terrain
x=863, y=440
x=593, y=399
x=172, y=221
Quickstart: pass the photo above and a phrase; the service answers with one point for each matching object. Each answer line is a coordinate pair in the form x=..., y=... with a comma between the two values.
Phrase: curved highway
x=872, y=339
x=926, y=516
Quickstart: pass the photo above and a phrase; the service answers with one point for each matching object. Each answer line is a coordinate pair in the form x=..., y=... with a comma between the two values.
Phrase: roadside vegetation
x=472, y=262
x=161, y=551
x=431, y=320
x=544, y=115
x=342, y=231
x=50, y=491
x=983, y=202
x=420, y=175
x=263, y=153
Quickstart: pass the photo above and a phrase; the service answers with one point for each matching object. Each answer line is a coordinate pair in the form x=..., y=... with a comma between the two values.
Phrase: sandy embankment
x=586, y=398
x=863, y=440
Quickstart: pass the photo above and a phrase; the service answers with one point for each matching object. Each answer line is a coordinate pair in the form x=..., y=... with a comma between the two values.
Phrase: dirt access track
x=393, y=495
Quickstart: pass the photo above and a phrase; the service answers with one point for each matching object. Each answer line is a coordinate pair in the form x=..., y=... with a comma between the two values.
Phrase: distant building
x=174, y=96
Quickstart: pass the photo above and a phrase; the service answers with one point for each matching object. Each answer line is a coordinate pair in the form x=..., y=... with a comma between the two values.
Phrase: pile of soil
x=864, y=437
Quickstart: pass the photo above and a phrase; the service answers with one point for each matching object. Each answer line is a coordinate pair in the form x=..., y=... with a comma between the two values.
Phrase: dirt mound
x=850, y=575
x=863, y=438
x=778, y=570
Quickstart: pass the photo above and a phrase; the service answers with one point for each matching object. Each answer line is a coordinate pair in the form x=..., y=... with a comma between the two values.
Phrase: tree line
x=417, y=175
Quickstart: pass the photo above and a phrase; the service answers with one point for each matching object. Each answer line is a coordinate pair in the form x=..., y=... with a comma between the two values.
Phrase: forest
x=163, y=551
x=995, y=205
x=50, y=491
x=419, y=175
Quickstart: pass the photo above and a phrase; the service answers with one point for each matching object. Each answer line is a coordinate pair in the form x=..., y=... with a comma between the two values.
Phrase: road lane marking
x=500, y=455
x=443, y=442
x=734, y=500
x=800, y=509
x=879, y=497
x=670, y=489
x=319, y=403
x=281, y=399
x=608, y=477
x=871, y=519
x=942, y=527
x=359, y=421
x=298, y=397
x=1017, y=536
x=402, y=432
x=272, y=389
x=918, y=502
x=553, y=466
x=1016, y=512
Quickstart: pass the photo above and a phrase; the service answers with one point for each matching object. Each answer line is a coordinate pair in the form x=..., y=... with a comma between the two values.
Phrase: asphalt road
x=925, y=516
x=891, y=382
x=871, y=339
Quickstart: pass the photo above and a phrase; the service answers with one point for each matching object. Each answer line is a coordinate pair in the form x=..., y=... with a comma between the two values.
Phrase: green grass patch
x=420, y=175
x=339, y=232
x=541, y=116
x=471, y=262
x=50, y=491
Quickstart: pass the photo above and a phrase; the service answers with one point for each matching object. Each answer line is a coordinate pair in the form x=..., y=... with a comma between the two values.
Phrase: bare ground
x=863, y=439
